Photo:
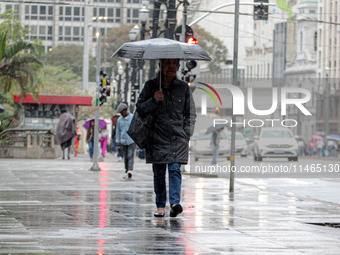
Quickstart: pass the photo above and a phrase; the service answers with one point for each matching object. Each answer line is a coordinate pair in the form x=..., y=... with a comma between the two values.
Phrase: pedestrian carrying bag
x=140, y=130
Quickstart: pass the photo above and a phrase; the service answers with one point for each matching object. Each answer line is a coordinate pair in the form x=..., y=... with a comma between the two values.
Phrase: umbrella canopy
x=318, y=137
x=333, y=137
x=2, y=109
x=212, y=129
x=102, y=123
x=161, y=48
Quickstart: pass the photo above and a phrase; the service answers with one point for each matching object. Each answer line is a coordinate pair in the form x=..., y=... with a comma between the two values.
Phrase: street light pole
x=120, y=72
x=155, y=27
x=143, y=15
x=86, y=46
x=95, y=166
x=233, y=118
x=327, y=103
x=126, y=88
x=299, y=117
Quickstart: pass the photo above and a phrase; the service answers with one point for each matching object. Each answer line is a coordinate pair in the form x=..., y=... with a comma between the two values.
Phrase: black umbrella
x=2, y=109
x=161, y=48
x=214, y=128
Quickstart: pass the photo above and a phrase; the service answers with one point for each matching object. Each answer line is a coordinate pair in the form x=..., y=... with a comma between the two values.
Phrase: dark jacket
x=174, y=122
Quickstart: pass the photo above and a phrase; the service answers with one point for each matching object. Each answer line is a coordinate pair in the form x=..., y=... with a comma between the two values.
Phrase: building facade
x=58, y=22
x=301, y=69
x=328, y=67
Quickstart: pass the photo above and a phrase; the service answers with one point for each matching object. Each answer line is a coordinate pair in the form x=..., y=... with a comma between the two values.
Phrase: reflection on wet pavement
x=70, y=210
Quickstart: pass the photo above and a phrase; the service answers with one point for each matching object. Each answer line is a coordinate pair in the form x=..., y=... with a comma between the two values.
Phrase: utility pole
x=155, y=27
x=184, y=23
x=327, y=104
x=170, y=23
x=86, y=47
x=235, y=82
x=95, y=166
x=126, y=88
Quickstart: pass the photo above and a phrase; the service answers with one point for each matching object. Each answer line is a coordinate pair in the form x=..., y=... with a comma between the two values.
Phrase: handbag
x=140, y=130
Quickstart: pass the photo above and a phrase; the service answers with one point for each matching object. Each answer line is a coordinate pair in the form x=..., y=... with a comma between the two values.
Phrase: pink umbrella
x=318, y=137
x=102, y=123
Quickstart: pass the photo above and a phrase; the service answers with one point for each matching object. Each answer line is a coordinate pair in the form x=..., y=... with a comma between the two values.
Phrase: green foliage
x=58, y=80
x=18, y=68
x=115, y=38
x=11, y=115
x=70, y=56
x=214, y=46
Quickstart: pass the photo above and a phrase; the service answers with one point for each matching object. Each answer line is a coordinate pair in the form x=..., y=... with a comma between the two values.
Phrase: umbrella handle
x=160, y=76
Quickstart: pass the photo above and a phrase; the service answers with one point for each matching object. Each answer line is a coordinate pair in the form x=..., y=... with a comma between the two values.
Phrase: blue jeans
x=175, y=181
x=215, y=153
x=129, y=153
x=91, y=142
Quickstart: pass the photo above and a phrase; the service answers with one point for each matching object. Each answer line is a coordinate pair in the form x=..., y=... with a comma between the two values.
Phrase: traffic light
x=192, y=40
x=260, y=10
x=189, y=78
x=102, y=99
x=188, y=33
x=133, y=96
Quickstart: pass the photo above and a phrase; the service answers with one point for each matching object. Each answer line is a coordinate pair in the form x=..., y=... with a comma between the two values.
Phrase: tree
x=214, y=46
x=115, y=38
x=17, y=67
x=71, y=57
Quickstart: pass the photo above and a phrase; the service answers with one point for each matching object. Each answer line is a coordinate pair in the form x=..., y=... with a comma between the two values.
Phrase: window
x=34, y=9
x=68, y=11
x=132, y=16
x=42, y=30
x=42, y=10
x=76, y=11
x=315, y=41
x=76, y=31
x=67, y=30
x=102, y=12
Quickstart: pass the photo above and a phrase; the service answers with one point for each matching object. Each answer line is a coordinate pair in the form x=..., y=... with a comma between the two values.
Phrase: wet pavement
x=60, y=207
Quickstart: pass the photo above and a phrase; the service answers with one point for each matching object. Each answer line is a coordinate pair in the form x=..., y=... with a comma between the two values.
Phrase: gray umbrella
x=2, y=109
x=161, y=48
x=212, y=129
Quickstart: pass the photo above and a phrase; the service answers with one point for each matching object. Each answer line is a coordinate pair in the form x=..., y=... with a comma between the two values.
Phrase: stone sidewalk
x=60, y=207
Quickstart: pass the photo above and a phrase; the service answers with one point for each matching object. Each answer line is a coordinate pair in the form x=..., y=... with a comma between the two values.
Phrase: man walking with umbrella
x=174, y=114
x=66, y=130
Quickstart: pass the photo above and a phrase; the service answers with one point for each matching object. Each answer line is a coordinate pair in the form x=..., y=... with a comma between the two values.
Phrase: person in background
x=332, y=147
x=66, y=130
x=103, y=141
x=90, y=138
x=311, y=148
x=215, y=144
x=114, y=147
x=320, y=146
x=301, y=145
x=77, y=141
x=123, y=140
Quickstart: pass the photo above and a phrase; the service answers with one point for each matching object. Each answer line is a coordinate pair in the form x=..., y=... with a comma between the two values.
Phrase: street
x=60, y=207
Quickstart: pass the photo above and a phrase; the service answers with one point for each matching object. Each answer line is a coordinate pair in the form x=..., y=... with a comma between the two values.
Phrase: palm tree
x=18, y=67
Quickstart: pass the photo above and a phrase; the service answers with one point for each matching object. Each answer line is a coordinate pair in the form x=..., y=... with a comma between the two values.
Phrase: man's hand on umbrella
x=159, y=96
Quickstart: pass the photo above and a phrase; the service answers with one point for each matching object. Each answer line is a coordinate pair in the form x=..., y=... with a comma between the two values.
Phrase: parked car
x=276, y=143
x=241, y=145
x=202, y=146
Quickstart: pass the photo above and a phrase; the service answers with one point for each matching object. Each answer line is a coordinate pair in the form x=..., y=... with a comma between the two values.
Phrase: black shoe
x=156, y=214
x=175, y=210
